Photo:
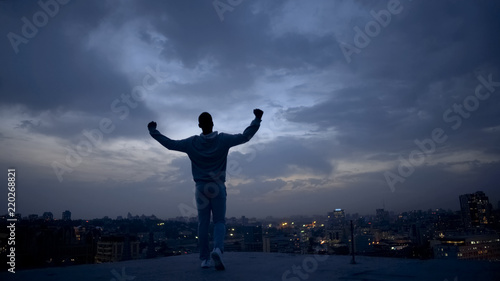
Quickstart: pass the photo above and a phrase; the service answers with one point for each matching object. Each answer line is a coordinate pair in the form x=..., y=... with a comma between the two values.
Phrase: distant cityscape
x=473, y=233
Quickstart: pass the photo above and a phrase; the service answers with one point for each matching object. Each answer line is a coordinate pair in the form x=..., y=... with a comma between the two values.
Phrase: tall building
x=336, y=219
x=475, y=209
x=382, y=217
x=48, y=216
x=336, y=225
x=66, y=215
x=252, y=238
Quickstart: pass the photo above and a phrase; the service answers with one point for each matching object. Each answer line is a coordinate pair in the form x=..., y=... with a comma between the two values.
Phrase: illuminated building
x=336, y=226
x=475, y=209
x=483, y=247
x=117, y=248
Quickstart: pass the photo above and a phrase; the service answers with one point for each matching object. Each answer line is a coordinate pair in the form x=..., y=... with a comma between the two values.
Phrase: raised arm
x=249, y=132
x=177, y=145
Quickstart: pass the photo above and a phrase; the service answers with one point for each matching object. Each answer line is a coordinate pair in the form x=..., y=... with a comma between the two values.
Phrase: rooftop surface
x=269, y=266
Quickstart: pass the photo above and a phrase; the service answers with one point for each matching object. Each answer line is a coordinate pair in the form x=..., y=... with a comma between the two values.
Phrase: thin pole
x=353, y=260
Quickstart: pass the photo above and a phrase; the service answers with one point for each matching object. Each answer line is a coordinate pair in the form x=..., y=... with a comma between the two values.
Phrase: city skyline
x=67, y=215
x=367, y=105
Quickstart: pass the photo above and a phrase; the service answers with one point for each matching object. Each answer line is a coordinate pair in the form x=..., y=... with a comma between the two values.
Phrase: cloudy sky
x=366, y=103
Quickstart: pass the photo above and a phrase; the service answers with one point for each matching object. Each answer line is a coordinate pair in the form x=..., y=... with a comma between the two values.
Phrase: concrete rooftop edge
x=269, y=266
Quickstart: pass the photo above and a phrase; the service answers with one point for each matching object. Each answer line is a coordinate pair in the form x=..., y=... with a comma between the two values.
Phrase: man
x=208, y=155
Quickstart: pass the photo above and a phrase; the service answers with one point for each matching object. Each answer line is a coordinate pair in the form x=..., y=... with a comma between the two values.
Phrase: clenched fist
x=152, y=125
x=258, y=113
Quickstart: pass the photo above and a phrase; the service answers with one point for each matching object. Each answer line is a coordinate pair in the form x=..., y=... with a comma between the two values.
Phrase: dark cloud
x=53, y=69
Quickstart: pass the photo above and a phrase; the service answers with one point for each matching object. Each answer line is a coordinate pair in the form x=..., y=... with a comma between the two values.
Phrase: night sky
x=366, y=103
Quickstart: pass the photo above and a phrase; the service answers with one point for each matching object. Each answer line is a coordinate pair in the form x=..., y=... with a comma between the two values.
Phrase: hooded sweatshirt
x=208, y=153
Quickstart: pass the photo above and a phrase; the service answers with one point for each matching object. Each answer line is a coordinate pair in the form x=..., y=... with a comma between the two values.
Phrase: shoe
x=217, y=257
x=206, y=263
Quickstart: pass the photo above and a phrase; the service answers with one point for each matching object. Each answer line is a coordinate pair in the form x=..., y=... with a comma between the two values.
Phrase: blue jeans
x=211, y=199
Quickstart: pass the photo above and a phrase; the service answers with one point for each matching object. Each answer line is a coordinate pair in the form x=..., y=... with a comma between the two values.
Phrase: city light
x=377, y=235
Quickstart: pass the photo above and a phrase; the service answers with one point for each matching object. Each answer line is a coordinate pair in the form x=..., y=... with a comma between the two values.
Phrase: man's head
x=205, y=122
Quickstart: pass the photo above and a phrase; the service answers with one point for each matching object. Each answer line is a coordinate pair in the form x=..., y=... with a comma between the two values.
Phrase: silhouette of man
x=208, y=154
